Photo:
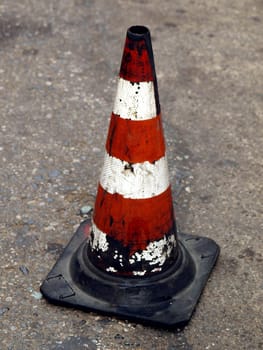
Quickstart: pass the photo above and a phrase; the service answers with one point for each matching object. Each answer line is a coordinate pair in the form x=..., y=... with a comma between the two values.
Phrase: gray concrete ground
x=58, y=65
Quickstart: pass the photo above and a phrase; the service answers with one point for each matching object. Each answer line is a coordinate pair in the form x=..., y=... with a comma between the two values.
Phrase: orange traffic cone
x=133, y=231
x=129, y=260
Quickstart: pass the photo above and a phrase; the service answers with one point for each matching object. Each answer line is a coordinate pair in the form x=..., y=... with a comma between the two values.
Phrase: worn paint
x=111, y=269
x=139, y=273
x=137, y=60
x=134, y=222
x=133, y=230
x=135, y=101
x=139, y=180
x=155, y=256
x=157, y=252
x=135, y=141
x=99, y=239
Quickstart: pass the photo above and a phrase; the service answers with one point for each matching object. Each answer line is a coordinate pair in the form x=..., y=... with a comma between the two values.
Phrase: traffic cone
x=129, y=260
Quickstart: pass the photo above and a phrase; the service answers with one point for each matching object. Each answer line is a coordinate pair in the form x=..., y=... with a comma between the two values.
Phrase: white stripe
x=138, y=180
x=135, y=101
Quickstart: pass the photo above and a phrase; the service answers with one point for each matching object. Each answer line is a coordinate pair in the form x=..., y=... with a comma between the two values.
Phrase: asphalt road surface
x=59, y=60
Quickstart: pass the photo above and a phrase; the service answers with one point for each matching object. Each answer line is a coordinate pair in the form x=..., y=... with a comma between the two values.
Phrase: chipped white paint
x=139, y=273
x=157, y=269
x=135, y=101
x=99, y=242
x=136, y=181
x=111, y=269
x=156, y=253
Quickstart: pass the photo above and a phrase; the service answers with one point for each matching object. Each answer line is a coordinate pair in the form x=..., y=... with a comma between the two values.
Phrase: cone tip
x=137, y=32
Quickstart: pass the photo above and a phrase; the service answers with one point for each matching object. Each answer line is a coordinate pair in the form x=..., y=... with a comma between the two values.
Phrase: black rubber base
x=167, y=299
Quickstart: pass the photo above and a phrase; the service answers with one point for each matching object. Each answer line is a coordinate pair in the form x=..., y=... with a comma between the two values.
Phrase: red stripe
x=136, y=64
x=134, y=222
x=135, y=141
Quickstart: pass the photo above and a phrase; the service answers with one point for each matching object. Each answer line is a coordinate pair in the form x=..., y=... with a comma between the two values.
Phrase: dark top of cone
x=138, y=32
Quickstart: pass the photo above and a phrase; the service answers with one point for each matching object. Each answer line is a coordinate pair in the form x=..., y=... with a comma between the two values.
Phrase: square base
x=174, y=309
